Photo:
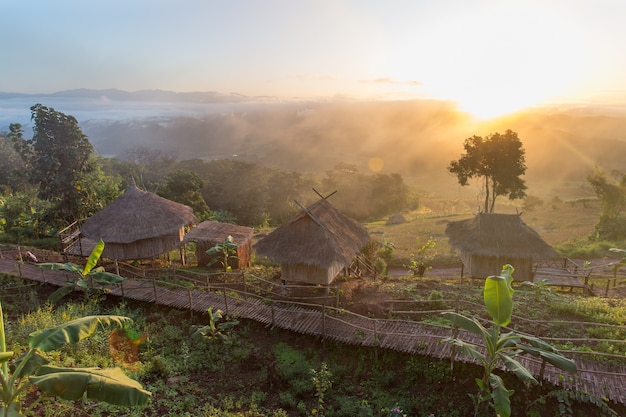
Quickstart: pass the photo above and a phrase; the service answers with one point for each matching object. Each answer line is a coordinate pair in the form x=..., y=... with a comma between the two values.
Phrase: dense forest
x=57, y=177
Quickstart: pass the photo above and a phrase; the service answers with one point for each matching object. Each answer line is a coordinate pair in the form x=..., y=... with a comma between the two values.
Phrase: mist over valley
x=416, y=139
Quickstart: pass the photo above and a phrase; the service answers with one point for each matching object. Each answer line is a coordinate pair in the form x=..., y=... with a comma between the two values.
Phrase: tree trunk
x=493, y=195
x=486, y=194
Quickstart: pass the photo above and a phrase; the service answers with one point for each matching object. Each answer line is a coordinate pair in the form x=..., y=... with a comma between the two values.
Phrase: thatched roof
x=211, y=233
x=491, y=234
x=137, y=215
x=320, y=235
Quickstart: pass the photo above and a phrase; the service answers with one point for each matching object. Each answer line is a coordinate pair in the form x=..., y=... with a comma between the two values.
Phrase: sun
x=489, y=102
x=491, y=64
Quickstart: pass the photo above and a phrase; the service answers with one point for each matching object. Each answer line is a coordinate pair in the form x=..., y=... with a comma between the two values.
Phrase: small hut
x=489, y=241
x=139, y=225
x=315, y=245
x=210, y=233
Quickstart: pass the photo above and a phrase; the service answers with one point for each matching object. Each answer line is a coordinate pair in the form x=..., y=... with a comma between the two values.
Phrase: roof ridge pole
x=321, y=196
x=310, y=215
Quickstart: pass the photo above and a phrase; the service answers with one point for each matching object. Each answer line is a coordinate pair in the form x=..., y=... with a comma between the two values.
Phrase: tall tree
x=612, y=195
x=61, y=157
x=15, y=154
x=184, y=187
x=499, y=159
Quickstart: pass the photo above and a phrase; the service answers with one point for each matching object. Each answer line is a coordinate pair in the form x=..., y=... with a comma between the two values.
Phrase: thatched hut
x=139, y=225
x=489, y=241
x=315, y=245
x=210, y=233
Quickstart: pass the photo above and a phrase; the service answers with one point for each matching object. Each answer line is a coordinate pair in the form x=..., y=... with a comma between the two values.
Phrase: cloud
x=391, y=81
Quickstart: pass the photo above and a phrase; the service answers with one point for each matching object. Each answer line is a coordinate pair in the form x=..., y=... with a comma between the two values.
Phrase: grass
x=568, y=226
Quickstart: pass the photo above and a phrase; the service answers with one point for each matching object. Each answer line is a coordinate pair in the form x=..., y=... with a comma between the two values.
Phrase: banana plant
x=214, y=329
x=223, y=253
x=621, y=263
x=86, y=277
x=31, y=368
x=501, y=349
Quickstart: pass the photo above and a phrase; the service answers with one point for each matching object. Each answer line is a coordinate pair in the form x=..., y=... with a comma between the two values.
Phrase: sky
x=488, y=56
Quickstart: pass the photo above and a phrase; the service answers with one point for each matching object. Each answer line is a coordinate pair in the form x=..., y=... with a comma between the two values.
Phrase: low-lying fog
x=416, y=139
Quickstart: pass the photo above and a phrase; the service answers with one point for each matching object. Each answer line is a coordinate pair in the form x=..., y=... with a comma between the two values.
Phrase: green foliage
x=385, y=251
x=531, y=202
x=109, y=385
x=419, y=262
x=365, y=197
x=538, y=287
x=499, y=159
x=20, y=216
x=214, y=328
x=612, y=195
x=224, y=253
x=15, y=159
x=322, y=382
x=621, y=263
x=89, y=278
x=61, y=156
x=592, y=309
x=184, y=187
x=293, y=368
x=568, y=401
x=502, y=348
x=585, y=248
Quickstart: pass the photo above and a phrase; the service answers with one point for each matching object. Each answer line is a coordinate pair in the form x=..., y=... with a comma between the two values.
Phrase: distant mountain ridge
x=141, y=95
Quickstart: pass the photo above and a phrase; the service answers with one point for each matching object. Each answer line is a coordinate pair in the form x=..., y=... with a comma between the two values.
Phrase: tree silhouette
x=499, y=159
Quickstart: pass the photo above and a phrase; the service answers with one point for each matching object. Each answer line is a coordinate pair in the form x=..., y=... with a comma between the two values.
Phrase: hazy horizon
x=416, y=138
x=488, y=57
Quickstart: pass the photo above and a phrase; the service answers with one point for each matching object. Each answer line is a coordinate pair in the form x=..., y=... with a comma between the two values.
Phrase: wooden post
x=376, y=339
x=190, y=299
x=543, y=368
x=225, y=300
x=272, y=311
x=324, y=327
x=154, y=287
x=462, y=271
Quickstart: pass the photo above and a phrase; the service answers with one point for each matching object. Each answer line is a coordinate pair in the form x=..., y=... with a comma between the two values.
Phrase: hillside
x=416, y=139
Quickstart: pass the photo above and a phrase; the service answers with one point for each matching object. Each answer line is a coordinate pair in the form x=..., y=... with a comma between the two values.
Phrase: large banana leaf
x=500, y=396
x=467, y=348
x=498, y=295
x=72, y=332
x=60, y=293
x=34, y=360
x=108, y=385
x=517, y=368
x=55, y=266
x=93, y=257
x=553, y=358
x=106, y=278
x=466, y=323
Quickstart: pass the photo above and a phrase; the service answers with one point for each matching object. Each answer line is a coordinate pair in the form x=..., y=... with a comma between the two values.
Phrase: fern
x=567, y=399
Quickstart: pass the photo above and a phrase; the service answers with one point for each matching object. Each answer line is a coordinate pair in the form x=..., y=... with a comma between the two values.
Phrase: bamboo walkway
x=339, y=325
